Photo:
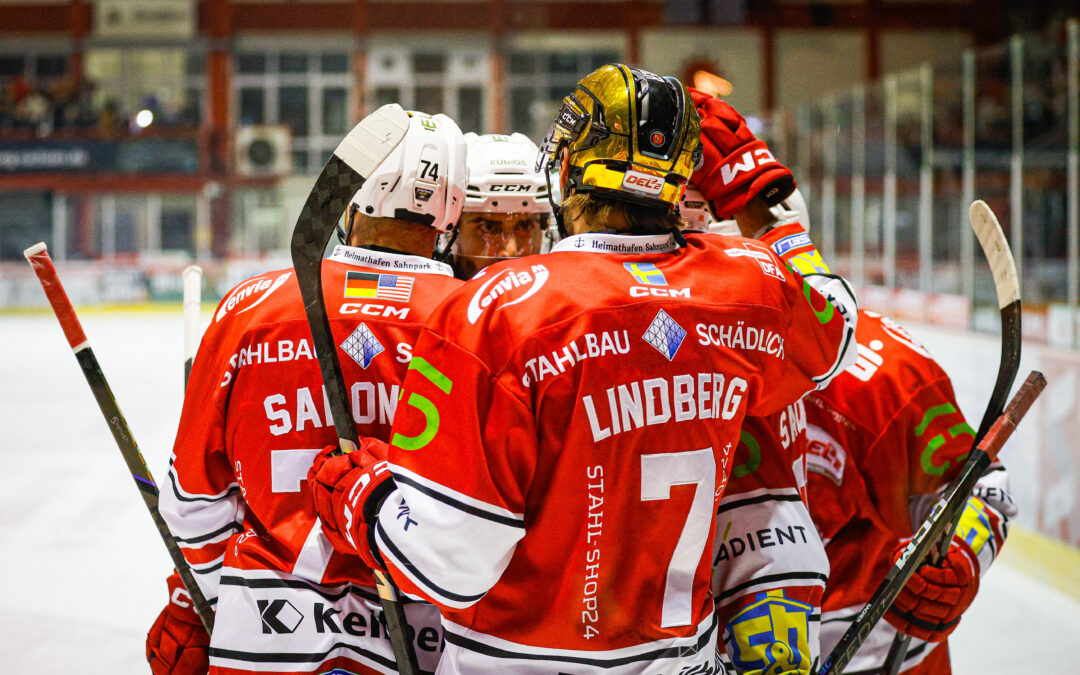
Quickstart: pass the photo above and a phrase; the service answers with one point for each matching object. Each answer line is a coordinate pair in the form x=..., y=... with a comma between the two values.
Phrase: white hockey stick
x=192, y=276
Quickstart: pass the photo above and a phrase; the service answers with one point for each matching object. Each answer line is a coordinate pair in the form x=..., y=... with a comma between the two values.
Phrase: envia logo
x=519, y=284
x=249, y=288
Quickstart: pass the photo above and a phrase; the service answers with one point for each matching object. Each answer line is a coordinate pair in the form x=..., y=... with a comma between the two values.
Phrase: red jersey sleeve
x=483, y=469
x=201, y=500
x=820, y=344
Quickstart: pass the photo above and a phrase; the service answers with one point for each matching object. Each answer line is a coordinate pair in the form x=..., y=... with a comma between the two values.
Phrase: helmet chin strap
x=441, y=254
x=556, y=210
x=343, y=232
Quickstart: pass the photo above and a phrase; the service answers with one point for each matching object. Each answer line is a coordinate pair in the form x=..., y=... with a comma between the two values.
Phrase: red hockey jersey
x=256, y=413
x=885, y=436
x=567, y=429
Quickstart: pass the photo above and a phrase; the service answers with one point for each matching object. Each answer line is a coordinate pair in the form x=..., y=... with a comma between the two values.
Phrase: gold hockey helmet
x=629, y=134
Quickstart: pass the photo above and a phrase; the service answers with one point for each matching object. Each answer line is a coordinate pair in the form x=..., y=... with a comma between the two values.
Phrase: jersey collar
x=594, y=242
x=391, y=262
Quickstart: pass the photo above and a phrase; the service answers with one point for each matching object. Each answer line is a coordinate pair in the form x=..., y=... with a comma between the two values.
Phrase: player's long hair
x=603, y=213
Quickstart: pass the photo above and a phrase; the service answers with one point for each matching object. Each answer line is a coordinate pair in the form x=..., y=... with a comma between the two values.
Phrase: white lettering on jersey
x=767, y=262
x=246, y=290
x=657, y=400
x=792, y=423
x=371, y=401
x=595, y=344
x=658, y=292
x=868, y=360
x=590, y=602
x=267, y=352
x=741, y=336
x=501, y=283
x=404, y=350
x=370, y=309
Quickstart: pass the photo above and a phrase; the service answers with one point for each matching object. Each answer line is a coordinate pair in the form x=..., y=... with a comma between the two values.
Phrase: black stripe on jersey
x=212, y=568
x=302, y=657
x=770, y=579
x=403, y=561
x=705, y=641
x=234, y=527
x=176, y=490
x=757, y=500
x=361, y=591
x=459, y=505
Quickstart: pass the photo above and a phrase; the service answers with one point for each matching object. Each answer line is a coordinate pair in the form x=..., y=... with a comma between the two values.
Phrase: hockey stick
x=39, y=259
x=954, y=499
x=1007, y=284
x=192, y=277
x=358, y=154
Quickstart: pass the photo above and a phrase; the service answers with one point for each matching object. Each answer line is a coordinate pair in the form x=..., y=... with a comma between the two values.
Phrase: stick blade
x=996, y=247
x=373, y=139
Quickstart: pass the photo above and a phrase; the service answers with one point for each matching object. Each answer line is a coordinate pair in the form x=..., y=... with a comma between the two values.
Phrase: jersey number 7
x=658, y=474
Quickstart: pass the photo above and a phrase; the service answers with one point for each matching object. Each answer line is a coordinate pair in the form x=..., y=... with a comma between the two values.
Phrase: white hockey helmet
x=423, y=179
x=695, y=211
x=503, y=177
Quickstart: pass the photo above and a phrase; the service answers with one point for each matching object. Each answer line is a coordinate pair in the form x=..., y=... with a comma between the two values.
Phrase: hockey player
x=553, y=475
x=885, y=437
x=768, y=559
x=255, y=414
x=506, y=203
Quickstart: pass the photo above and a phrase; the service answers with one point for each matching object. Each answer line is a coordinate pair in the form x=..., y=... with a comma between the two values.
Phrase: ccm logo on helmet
x=643, y=182
x=509, y=188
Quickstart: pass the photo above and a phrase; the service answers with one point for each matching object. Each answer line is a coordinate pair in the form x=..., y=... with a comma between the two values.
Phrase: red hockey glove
x=348, y=491
x=736, y=166
x=930, y=605
x=177, y=643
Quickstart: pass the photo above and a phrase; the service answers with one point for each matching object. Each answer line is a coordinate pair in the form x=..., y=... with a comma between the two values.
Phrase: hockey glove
x=930, y=605
x=177, y=643
x=737, y=167
x=348, y=491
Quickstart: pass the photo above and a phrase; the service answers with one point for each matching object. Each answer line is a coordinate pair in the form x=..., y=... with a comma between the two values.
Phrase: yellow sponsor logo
x=771, y=635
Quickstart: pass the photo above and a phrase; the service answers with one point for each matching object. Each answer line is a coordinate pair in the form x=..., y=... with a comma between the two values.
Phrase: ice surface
x=82, y=569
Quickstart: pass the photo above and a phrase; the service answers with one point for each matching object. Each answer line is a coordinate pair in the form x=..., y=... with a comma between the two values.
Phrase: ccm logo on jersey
x=248, y=289
x=642, y=182
x=503, y=283
x=750, y=160
x=510, y=188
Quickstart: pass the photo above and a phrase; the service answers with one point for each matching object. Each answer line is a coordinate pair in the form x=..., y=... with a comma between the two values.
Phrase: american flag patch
x=394, y=287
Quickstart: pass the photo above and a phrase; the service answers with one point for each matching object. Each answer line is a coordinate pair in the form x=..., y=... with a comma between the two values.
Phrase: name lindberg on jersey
x=658, y=400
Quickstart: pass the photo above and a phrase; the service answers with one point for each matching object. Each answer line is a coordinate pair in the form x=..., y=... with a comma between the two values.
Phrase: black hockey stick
x=39, y=259
x=192, y=276
x=356, y=157
x=1006, y=282
x=943, y=517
